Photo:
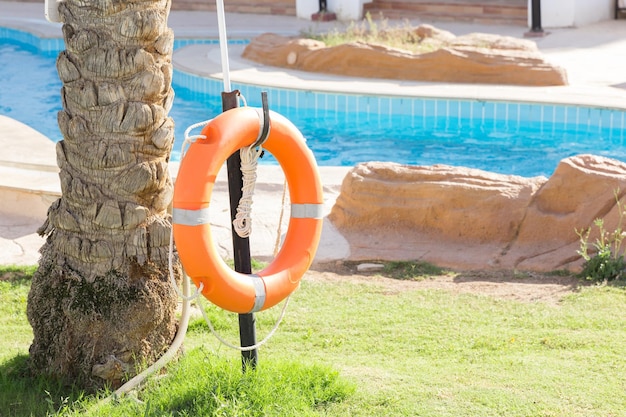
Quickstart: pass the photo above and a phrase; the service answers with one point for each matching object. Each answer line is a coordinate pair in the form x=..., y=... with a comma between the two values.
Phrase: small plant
x=606, y=261
x=56, y=408
x=368, y=30
x=415, y=271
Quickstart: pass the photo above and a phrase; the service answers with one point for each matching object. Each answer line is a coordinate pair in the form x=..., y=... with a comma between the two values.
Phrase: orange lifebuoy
x=228, y=289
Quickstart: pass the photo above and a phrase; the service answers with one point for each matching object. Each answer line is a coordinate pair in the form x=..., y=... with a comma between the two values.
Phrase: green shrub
x=606, y=261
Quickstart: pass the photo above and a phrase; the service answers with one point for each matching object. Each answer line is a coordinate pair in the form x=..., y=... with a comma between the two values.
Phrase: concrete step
x=511, y=12
x=29, y=176
x=27, y=193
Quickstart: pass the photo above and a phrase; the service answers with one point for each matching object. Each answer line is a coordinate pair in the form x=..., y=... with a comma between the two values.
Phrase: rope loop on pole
x=242, y=224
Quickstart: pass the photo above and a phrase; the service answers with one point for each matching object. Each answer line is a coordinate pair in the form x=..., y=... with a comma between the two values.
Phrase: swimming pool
x=506, y=137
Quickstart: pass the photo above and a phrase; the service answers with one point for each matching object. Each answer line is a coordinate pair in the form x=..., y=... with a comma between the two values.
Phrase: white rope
x=246, y=348
x=249, y=161
x=191, y=139
x=170, y=354
x=172, y=351
x=280, y=219
x=249, y=156
x=284, y=309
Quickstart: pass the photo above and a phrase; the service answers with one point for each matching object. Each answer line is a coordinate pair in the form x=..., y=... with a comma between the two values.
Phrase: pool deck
x=593, y=57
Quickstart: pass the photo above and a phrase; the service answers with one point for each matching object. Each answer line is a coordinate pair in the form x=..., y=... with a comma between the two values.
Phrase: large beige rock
x=475, y=58
x=467, y=218
x=453, y=203
x=582, y=189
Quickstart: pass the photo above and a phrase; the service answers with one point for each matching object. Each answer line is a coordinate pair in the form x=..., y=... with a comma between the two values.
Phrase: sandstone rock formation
x=474, y=58
x=468, y=218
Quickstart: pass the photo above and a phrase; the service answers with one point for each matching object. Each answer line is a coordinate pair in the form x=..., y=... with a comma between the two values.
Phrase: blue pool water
x=510, y=138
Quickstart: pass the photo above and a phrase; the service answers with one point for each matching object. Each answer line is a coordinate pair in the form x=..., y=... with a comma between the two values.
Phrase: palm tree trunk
x=100, y=303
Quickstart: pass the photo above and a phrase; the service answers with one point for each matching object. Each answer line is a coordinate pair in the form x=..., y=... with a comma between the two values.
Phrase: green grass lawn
x=361, y=349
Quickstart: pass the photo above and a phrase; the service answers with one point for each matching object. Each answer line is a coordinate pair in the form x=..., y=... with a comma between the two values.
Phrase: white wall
x=572, y=13
x=588, y=12
x=346, y=9
x=554, y=13
x=305, y=8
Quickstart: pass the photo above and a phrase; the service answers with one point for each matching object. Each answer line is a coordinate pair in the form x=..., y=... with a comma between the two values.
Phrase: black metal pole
x=536, y=16
x=241, y=245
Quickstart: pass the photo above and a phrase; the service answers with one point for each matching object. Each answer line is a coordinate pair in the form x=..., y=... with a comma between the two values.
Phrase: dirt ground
x=511, y=285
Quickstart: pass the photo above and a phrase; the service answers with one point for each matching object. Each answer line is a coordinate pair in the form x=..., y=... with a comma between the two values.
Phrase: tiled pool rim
x=505, y=111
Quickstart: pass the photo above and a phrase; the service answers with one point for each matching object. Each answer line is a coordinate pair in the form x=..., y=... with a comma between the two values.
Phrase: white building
x=554, y=13
x=576, y=13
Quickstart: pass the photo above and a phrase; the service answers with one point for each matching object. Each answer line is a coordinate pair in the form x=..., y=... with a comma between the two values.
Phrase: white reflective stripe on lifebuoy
x=190, y=217
x=307, y=211
x=259, y=289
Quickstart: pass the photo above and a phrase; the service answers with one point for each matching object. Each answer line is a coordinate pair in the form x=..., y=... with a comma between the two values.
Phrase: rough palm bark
x=101, y=305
